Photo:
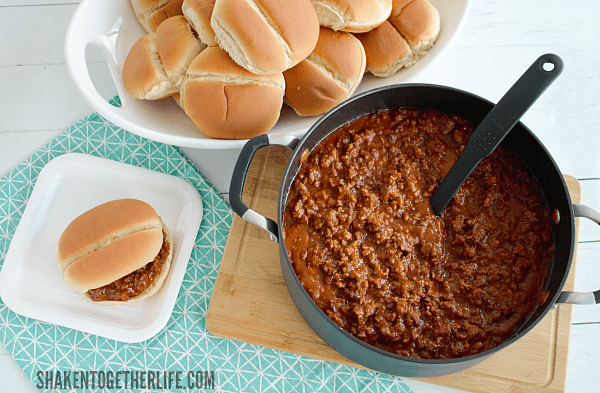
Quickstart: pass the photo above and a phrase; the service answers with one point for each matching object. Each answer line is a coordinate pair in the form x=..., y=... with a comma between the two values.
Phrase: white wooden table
x=500, y=40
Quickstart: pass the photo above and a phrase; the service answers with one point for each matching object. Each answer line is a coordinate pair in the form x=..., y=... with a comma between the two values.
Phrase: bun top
x=102, y=225
x=397, y=6
x=342, y=54
x=297, y=23
x=387, y=51
x=177, y=46
x=144, y=75
x=151, y=13
x=213, y=64
x=266, y=36
x=355, y=16
x=226, y=101
x=198, y=14
x=418, y=21
x=115, y=260
x=328, y=76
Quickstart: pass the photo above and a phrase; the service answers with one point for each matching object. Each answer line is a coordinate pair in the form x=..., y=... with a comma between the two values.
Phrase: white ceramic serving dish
x=31, y=283
x=111, y=25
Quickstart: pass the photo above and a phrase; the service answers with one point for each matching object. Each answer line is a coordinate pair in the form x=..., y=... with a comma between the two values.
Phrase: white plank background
x=500, y=40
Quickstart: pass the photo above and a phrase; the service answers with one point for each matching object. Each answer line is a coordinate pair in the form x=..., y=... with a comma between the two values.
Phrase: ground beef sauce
x=135, y=282
x=368, y=249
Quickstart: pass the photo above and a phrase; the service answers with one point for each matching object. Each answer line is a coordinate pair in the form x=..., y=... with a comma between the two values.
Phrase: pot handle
x=582, y=297
x=236, y=187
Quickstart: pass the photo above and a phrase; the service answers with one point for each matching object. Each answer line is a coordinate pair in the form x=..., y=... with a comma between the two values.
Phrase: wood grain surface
x=250, y=303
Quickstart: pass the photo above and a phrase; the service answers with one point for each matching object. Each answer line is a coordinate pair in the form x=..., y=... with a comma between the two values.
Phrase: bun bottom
x=156, y=284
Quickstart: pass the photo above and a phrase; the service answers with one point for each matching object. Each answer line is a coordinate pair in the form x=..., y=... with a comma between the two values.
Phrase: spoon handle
x=496, y=125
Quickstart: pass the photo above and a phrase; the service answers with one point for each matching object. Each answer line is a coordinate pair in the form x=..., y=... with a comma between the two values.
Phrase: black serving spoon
x=496, y=125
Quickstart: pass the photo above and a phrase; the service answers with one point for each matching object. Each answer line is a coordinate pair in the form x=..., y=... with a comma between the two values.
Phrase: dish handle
x=582, y=298
x=79, y=35
x=236, y=187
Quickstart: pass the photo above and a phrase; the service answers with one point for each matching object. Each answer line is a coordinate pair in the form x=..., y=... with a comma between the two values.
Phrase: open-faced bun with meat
x=386, y=50
x=116, y=253
x=198, y=14
x=151, y=13
x=355, y=16
x=144, y=75
x=226, y=101
x=328, y=76
x=266, y=36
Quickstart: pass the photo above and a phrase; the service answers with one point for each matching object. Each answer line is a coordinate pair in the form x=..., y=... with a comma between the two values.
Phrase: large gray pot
x=450, y=101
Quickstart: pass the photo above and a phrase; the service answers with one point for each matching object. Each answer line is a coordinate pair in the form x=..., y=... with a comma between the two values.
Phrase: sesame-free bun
x=328, y=76
x=266, y=36
x=355, y=16
x=177, y=98
x=144, y=75
x=403, y=39
x=226, y=101
x=177, y=46
x=110, y=241
x=419, y=23
x=198, y=14
x=386, y=50
x=151, y=13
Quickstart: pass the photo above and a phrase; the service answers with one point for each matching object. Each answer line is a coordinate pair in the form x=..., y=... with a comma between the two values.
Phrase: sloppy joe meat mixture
x=134, y=283
x=366, y=246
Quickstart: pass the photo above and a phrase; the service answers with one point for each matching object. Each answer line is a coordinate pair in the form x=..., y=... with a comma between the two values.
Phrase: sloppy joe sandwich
x=355, y=16
x=328, y=76
x=225, y=101
x=266, y=36
x=116, y=253
x=151, y=13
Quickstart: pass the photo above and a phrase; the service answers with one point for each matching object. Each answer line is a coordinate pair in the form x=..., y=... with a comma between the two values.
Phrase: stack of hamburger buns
x=231, y=64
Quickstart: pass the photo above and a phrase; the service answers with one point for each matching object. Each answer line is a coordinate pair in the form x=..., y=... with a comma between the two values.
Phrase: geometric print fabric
x=184, y=343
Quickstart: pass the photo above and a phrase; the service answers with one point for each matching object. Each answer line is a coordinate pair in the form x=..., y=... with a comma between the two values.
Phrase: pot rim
x=548, y=305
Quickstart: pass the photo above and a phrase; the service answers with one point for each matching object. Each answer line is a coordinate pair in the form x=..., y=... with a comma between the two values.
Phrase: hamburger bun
x=266, y=36
x=108, y=243
x=328, y=76
x=144, y=75
x=386, y=50
x=151, y=13
x=177, y=46
x=177, y=98
x=419, y=23
x=355, y=16
x=198, y=14
x=225, y=101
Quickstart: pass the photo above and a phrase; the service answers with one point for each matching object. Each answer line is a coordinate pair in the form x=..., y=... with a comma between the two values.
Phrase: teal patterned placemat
x=48, y=352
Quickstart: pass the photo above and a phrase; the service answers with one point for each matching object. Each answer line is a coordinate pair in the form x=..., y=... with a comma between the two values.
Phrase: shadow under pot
x=521, y=142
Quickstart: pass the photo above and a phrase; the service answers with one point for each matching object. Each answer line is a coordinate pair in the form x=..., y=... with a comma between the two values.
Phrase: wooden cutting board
x=250, y=303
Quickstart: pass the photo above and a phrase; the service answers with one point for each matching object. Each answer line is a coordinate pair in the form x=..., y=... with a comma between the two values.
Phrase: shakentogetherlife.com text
x=158, y=380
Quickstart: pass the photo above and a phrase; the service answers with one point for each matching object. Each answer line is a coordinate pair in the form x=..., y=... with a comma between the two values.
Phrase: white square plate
x=31, y=283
